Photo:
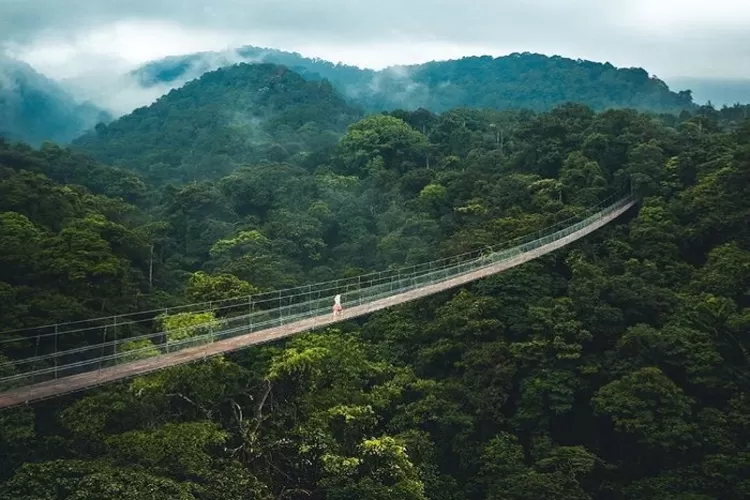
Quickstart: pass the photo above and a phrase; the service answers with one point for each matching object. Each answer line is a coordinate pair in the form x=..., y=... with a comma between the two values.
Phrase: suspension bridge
x=60, y=359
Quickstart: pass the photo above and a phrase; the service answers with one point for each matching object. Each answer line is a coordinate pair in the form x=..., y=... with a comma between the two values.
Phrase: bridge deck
x=73, y=383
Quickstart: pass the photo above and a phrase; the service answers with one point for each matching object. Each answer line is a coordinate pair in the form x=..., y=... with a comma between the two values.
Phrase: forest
x=34, y=108
x=615, y=368
x=516, y=81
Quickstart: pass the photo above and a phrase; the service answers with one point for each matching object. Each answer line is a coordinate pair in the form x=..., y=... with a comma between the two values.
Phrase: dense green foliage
x=529, y=81
x=516, y=81
x=231, y=117
x=616, y=368
x=176, y=69
x=34, y=108
x=65, y=252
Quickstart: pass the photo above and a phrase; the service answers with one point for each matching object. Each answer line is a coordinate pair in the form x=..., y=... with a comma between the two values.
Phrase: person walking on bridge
x=337, y=309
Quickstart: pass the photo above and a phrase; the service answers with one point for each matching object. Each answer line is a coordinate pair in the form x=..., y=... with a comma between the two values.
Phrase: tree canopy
x=516, y=81
x=616, y=368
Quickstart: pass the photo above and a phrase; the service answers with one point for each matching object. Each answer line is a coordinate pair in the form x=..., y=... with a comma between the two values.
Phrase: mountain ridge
x=519, y=80
x=227, y=118
x=35, y=108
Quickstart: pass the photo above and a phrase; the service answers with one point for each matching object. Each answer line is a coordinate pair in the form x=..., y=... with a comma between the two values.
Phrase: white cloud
x=121, y=46
x=69, y=38
x=686, y=18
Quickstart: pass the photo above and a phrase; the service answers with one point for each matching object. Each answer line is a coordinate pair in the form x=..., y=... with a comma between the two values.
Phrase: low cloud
x=91, y=47
x=112, y=85
x=669, y=37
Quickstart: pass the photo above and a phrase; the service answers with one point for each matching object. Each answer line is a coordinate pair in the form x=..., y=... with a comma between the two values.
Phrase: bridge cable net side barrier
x=143, y=318
x=77, y=348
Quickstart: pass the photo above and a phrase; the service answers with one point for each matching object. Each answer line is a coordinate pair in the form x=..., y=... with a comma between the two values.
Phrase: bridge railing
x=248, y=315
x=49, y=339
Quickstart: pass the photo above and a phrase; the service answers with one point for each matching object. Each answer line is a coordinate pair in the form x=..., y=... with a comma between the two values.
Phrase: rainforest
x=614, y=368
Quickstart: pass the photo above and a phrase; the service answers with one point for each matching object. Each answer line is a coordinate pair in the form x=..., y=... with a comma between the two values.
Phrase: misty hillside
x=228, y=118
x=531, y=81
x=34, y=108
x=180, y=69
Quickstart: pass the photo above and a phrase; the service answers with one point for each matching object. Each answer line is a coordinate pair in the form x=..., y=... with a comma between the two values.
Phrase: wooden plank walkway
x=73, y=383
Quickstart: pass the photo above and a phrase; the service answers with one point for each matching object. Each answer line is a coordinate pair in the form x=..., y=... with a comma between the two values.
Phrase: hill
x=34, y=108
x=180, y=69
x=234, y=116
x=616, y=368
x=516, y=81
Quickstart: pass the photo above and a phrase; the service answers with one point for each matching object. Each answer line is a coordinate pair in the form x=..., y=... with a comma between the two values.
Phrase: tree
x=78, y=479
x=381, y=140
x=583, y=180
x=203, y=287
x=649, y=407
x=182, y=326
x=381, y=470
x=19, y=247
x=181, y=451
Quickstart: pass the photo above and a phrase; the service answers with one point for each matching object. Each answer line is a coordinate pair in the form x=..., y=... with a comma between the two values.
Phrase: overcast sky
x=669, y=38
